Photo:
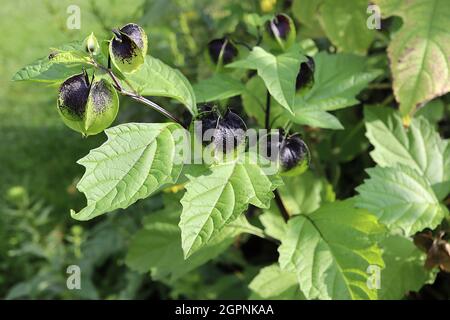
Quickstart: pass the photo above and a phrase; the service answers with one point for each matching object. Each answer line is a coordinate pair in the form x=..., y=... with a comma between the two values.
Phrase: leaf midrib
x=208, y=216
x=341, y=271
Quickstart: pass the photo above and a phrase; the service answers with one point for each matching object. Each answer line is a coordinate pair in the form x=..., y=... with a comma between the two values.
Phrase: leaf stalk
x=136, y=96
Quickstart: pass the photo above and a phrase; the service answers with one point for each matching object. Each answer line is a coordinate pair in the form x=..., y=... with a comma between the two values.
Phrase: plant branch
x=283, y=211
x=258, y=41
x=387, y=100
x=240, y=43
x=256, y=232
x=135, y=96
x=154, y=106
x=267, y=122
x=379, y=86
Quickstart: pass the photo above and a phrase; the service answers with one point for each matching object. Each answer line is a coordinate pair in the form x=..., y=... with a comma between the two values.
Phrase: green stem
x=240, y=43
x=267, y=122
x=283, y=211
x=379, y=86
x=256, y=232
x=135, y=96
x=387, y=100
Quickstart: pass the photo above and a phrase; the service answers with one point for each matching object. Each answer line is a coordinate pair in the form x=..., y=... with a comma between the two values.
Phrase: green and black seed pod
x=209, y=118
x=294, y=156
x=293, y=153
x=128, y=47
x=305, y=77
x=280, y=32
x=222, y=51
x=87, y=106
x=228, y=130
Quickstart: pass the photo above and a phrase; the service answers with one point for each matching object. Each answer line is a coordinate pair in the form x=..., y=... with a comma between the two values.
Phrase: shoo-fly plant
x=305, y=77
x=87, y=106
x=226, y=131
x=222, y=51
x=280, y=32
x=265, y=114
x=128, y=47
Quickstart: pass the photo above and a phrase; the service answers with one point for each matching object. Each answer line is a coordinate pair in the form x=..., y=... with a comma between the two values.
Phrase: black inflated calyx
x=224, y=47
x=123, y=47
x=305, y=76
x=279, y=26
x=73, y=94
x=230, y=132
x=293, y=151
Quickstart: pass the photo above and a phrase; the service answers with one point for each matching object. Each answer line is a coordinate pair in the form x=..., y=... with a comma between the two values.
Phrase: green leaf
x=338, y=79
x=404, y=268
x=345, y=145
x=273, y=283
x=401, y=198
x=419, y=147
x=313, y=117
x=419, y=51
x=331, y=249
x=345, y=24
x=304, y=193
x=62, y=63
x=218, y=87
x=155, y=78
x=254, y=21
x=254, y=103
x=274, y=224
x=278, y=72
x=44, y=71
x=306, y=11
x=157, y=247
x=136, y=161
x=215, y=200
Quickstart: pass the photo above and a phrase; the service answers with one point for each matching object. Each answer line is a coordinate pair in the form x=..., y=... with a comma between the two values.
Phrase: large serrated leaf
x=273, y=222
x=63, y=62
x=305, y=193
x=155, y=78
x=278, y=72
x=404, y=268
x=44, y=71
x=273, y=283
x=215, y=200
x=401, y=198
x=345, y=24
x=330, y=251
x=338, y=79
x=136, y=160
x=419, y=52
x=420, y=146
x=314, y=117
